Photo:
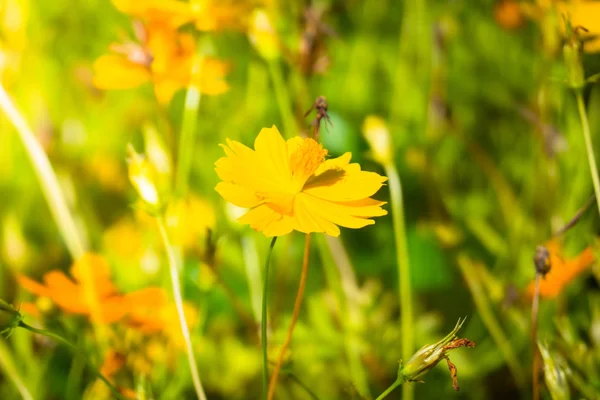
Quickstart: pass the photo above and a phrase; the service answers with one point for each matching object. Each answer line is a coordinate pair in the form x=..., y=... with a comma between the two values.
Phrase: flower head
x=163, y=56
x=69, y=294
x=561, y=271
x=430, y=355
x=290, y=185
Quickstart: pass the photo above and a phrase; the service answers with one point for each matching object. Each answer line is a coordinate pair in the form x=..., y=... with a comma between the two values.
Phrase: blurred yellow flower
x=167, y=58
x=291, y=186
x=551, y=16
x=587, y=15
x=124, y=239
x=562, y=272
x=172, y=13
x=212, y=15
x=188, y=221
x=263, y=36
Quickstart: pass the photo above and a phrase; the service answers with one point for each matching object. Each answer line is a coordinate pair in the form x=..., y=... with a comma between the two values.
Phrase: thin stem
x=482, y=303
x=187, y=138
x=46, y=177
x=263, y=321
x=403, y=265
x=56, y=202
x=7, y=363
x=534, y=326
x=283, y=98
x=180, y=312
x=304, y=386
x=588, y=145
x=295, y=314
x=390, y=390
x=72, y=347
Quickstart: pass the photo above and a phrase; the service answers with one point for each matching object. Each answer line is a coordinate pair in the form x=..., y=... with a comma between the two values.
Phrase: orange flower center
x=305, y=161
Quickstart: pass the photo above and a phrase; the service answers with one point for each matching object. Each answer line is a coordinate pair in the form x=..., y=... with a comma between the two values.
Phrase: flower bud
x=430, y=355
x=263, y=36
x=378, y=136
x=572, y=51
x=143, y=178
x=9, y=318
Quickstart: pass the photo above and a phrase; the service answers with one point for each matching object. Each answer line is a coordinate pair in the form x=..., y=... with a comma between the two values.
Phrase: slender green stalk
x=390, y=390
x=403, y=265
x=72, y=347
x=490, y=321
x=283, y=98
x=589, y=147
x=46, y=177
x=56, y=202
x=7, y=364
x=187, y=137
x=263, y=322
x=304, y=386
x=173, y=267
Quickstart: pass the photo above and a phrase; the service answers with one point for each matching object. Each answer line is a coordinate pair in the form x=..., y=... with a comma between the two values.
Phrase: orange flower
x=220, y=15
x=562, y=271
x=70, y=294
x=147, y=310
x=164, y=57
x=173, y=13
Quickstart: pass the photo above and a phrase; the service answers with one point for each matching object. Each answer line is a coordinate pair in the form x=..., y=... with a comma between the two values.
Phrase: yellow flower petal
x=113, y=71
x=238, y=195
x=348, y=187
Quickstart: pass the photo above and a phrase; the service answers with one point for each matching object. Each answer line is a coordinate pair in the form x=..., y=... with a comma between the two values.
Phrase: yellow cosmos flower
x=164, y=57
x=291, y=186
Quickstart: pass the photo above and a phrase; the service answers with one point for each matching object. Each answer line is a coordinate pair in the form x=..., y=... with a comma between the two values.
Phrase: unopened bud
x=430, y=355
x=263, y=36
x=378, y=136
x=143, y=178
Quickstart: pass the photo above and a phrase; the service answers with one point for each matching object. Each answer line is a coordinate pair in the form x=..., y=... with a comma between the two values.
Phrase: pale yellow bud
x=142, y=177
x=378, y=136
x=263, y=36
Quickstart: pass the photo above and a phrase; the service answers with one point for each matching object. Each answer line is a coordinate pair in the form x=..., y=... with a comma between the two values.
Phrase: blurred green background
x=487, y=140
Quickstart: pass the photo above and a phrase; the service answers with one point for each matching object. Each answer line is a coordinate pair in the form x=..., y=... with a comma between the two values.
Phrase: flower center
x=304, y=161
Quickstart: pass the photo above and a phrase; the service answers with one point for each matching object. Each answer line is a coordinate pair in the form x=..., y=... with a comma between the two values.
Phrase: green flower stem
x=187, y=138
x=470, y=274
x=304, y=386
x=56, y=202
x=403, y=264
x=72, y=347
x=390, y=390
x=263, y=322
x=46, y=177
x=283, y=98
x=7, y=364
x=585, y=125
x=173, y=267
